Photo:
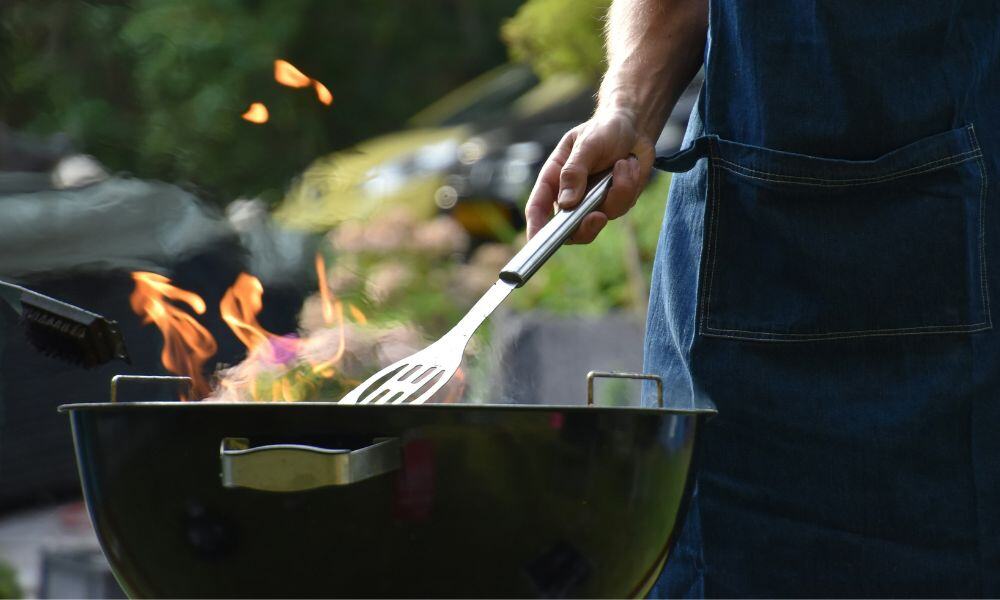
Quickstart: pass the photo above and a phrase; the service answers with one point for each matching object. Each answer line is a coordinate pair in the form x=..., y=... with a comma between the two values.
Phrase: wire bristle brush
x=65, y=331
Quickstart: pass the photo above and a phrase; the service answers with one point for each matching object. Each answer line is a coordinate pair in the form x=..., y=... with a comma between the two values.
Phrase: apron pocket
x=800, y=248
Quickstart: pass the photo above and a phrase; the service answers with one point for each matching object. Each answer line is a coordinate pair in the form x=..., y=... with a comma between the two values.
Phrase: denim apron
x=825, y=276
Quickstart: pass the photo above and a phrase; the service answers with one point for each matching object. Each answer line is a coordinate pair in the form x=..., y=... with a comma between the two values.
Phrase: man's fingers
x=536, y=216
x=538, y=210
x=581, y=163
x=624, y=188
x=591, y=225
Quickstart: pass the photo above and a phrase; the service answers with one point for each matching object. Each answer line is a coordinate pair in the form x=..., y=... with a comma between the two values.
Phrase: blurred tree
x=157, y=87
x=8, y=582
x=559, y=36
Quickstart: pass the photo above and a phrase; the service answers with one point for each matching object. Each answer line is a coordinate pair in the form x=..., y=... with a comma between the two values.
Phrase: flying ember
x=322, y=93
x=286, y=73
x=257, y=113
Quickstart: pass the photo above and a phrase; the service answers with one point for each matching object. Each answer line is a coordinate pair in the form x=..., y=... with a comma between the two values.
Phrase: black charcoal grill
x=319, y=499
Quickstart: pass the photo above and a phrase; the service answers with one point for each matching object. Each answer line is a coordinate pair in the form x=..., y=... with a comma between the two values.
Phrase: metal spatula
x=419, y=376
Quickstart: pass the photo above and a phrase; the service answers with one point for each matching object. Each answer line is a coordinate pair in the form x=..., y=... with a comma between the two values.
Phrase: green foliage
x=559, y=36
x=157, y=87
x=8, y=582
x=419, y=274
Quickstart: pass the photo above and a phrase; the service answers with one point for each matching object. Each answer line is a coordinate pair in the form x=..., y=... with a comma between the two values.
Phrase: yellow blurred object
x=484, y=219
x=407, y=167
x=357, y=183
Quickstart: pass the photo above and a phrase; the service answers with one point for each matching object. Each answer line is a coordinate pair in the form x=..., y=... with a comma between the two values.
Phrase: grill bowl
x=486, y=501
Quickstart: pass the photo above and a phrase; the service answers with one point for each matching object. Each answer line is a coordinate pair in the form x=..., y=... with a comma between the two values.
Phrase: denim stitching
x=833, y=183
x=969, y=131
x=961, y=327
x=975, y=153
x=857, y=179
x=848, y=335
x=716, y=209
x=983, y=187
x=710, y=276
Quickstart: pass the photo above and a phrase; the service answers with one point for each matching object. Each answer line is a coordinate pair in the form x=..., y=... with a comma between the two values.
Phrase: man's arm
x=654, y=48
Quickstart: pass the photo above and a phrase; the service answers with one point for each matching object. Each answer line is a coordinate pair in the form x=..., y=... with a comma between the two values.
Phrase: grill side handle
x=296, y=468
x=591, y=376
x=552, y=235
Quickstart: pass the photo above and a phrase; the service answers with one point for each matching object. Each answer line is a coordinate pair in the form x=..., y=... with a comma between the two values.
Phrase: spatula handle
x=548, y=239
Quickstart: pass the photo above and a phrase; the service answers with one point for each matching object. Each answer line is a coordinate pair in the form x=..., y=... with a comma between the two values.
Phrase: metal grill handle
x=613, y=375
x=296, y=468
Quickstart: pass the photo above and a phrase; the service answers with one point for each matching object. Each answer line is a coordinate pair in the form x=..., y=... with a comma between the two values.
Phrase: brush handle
x=548, y=239
x=12, y=295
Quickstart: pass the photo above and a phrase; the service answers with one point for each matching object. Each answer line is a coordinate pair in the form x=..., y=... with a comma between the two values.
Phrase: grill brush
x=64, y=331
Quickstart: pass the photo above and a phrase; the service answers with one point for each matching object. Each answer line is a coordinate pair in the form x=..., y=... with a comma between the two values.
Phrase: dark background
x=156, y=87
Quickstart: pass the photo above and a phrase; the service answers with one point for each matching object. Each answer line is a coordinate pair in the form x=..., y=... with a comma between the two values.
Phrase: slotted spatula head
x=413, y=379
x=416, y=378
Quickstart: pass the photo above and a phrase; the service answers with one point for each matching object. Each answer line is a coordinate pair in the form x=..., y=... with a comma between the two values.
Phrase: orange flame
x=324, y=290
x=286, y=73
x=186, y=344
x=239, y=308
x=333, y=311
x=276, y=368
x=288, y=368
x=323, y=93
x=257, y=113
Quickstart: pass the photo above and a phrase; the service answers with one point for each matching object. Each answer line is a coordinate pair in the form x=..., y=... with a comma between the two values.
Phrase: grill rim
x=201, y=405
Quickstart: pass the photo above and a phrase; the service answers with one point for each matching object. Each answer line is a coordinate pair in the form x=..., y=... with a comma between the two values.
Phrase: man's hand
x=654, y=47
x=606, y=139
